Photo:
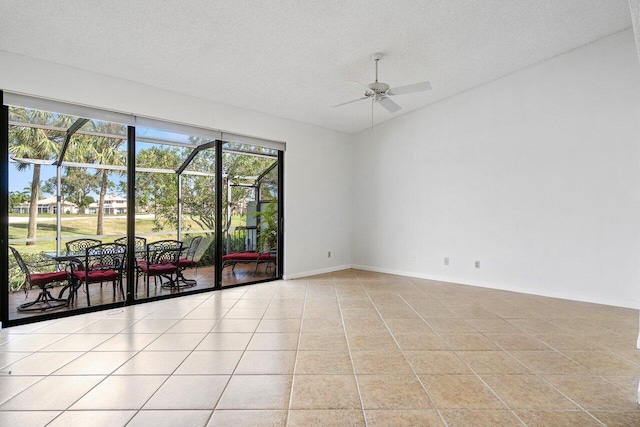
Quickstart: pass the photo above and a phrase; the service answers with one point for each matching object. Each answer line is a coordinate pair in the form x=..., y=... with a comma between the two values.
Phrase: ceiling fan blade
x=417, y=87
x=389, y=105
x=349, y=102
x=362, y=86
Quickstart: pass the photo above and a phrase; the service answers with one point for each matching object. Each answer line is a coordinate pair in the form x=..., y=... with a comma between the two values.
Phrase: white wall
x=317, y=161
x=536, y=175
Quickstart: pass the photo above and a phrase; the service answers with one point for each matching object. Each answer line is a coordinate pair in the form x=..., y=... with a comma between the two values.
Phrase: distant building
x=48, y=205
x=112, y=205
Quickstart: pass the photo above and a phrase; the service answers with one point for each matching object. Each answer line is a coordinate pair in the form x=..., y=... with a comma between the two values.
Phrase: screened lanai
x=134, y=183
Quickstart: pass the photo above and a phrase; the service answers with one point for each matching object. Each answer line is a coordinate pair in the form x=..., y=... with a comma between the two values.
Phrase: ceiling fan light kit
x=380, y=92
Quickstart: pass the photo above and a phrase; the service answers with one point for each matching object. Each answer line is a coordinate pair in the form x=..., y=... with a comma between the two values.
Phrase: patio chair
x=80, y=245
x=246, y=258
x=162, y=261
x=44, y=281
x=140, y=246
x=188, y=261
x=101, y=263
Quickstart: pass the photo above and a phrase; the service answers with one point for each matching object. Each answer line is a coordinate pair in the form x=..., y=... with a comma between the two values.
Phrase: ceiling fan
x=380, y=92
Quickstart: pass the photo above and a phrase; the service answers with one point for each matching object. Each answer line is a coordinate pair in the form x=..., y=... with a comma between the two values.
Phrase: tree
x=77, y=185
x=34, y=143
x=16, y=198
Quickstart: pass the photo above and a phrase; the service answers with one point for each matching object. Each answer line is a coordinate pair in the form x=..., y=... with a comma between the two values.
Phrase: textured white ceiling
x=293, y=58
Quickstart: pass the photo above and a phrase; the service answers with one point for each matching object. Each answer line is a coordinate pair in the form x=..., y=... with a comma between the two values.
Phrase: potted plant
x=268, y=228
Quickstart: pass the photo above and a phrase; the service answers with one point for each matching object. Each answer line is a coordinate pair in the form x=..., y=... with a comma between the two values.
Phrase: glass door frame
x=130, y=278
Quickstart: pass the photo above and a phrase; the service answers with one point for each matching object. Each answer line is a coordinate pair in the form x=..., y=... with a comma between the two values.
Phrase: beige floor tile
x=108, y=326
x=42, y=363
x=618, y=418
x=420, y=341
x=354, y=300
x=436, y=362
x=266, y=362
x=127, y=342
x=279, y=325
x=492, y=325
x=602, y=363
x=536, y=325
x=150, y=326
x=96, y=363
x=210, y=363
x=331, y=312
x=26, y=418
x=78, y=342
x=52, y=393
x=492, y=362
x=414, y=326
x=398, y=313
x=170, y=418
x=557, y=418
x=450, y=325
x=592, y=392
x=192, y=326
x=31, y=342
x=361, y=324
x=380, y=362
x=153, y=363
x=368, y=340
x=509, y=341
x=384, y=418
x=252, y=303
x=326, y=417
x=324, y=392
x=322, y=326
x=474, y=313
x=7, y=358
x=11, y=385
x=468, y=341
x=266, y=392
x=93, y=419
x=360, y=313
x=323, y=342
x=493, y=418
x=120, y=392
x=173, y=342
x=528, y=392
x=245, y=313
x=206, y=314
x=627, y=384
x=226, y=418
x=548, y=362
x=274, y=341
x=225, y=341
x=392, y=392
x=568, y=341
x=236, y=325
x=323, y=362
x=283, y=313
x=460, y=392
x=189, y=392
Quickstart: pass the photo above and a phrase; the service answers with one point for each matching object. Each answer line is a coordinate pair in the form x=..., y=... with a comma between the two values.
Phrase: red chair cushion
x=185, y=263
x=97, y=276
x=40, y=279
x=247, y=256
x=159, y=269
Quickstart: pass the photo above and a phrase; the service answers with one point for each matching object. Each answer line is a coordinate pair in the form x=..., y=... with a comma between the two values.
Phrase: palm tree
x=106, y=151
x=32, y=143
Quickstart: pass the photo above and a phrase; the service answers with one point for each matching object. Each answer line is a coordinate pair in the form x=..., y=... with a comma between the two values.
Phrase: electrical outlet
x=329, y=254
x=446, y=261
x=477, y=264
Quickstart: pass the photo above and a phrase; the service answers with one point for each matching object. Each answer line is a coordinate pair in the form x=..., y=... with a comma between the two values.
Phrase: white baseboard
x=504, y=287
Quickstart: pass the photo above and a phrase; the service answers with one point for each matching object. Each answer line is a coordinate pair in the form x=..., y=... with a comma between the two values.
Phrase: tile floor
x=350, y=348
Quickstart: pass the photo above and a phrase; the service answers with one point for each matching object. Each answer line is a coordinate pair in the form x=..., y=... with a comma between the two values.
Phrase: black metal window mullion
x=219, y=209
x=4, y=201
x=131, y=213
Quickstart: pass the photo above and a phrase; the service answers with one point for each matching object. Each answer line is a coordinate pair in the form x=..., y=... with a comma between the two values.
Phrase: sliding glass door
x=98, y=202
